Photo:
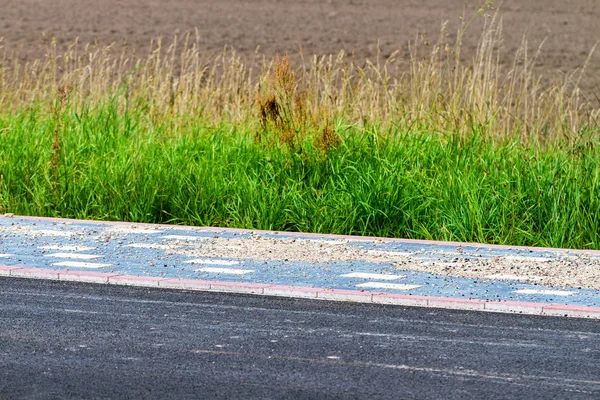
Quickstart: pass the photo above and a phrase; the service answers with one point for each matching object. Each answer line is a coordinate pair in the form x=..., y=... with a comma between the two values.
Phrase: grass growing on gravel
x=451, y=149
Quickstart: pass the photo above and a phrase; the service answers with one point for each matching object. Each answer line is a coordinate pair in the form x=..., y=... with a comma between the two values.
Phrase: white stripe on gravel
x=323, y=241
x=225, y=271
x=124, y=229
x=526, y=258
x=150, y=246
x=442, y=263
x=212, y=261
x=509, y=277
x=186, y=238
x=66, y=248
x=383, y=285
x=50, y=232
x=76, y=264
x=77, y=256
x=545, y=292
x=366, y=275
x=381, y=253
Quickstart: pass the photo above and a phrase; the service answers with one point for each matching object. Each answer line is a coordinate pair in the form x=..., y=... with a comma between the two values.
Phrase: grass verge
x=449, y=150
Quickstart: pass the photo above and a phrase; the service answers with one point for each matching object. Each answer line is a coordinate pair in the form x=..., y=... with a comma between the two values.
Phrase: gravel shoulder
x=562, y=268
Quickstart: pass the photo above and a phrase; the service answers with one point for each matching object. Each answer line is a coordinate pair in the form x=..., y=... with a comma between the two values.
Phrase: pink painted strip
x=308, y=234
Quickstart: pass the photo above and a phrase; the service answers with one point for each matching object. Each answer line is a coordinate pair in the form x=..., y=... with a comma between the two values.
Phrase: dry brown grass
x=440, y=91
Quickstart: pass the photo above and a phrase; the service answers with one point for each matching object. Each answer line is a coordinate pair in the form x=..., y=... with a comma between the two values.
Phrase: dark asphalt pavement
x=72, y=341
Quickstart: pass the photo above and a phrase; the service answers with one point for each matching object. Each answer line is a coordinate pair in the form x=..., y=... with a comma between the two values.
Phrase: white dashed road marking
x=383, y=285
x=77, y=256
x=212, y=261
x=545, y=291
x=365, y=275
x=225, y=271
x=76, y=264
x=5, y=255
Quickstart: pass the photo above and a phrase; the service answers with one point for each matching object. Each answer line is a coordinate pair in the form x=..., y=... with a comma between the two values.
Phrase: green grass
x=117, y=165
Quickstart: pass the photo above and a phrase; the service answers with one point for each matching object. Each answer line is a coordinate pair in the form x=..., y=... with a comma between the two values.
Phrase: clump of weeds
x=284, y=115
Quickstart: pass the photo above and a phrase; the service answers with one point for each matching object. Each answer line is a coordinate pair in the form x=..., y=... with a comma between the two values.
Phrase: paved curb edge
x=304, y=292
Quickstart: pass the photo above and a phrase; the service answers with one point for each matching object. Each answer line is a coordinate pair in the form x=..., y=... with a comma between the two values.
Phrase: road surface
x=72, y=340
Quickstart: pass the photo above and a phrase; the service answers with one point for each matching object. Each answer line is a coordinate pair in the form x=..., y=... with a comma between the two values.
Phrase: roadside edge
x=357, y=296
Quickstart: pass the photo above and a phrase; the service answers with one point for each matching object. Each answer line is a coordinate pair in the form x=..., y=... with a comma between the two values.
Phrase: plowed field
x=568, y=28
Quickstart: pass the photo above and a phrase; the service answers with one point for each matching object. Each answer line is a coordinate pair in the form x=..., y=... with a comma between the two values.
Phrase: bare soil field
x=364, y=28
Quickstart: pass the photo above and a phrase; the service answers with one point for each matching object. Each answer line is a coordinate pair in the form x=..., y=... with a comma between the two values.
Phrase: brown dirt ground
x=570, y=27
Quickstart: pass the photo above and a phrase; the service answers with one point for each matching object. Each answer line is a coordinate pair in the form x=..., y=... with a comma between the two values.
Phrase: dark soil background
x=570, y=27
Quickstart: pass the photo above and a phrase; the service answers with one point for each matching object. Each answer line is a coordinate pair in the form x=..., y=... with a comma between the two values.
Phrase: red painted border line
x=303, y=234
x=359, y=296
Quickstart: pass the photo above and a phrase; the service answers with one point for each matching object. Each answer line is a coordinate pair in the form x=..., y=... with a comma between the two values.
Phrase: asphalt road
x=67, y=340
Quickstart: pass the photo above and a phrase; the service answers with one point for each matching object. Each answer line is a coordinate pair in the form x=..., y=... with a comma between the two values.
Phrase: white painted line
x=510, y=277
x=76, y=256
x=212, y=261
x=530, y=259
x=227, y=271
x=150, y=246
x=5, y=255
x=381, y=253
x=186, y=238
x=124, y=229
x=382, y=285
x=546, y=292
x=76, y=264
x=366, y=275
x=66, y=248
